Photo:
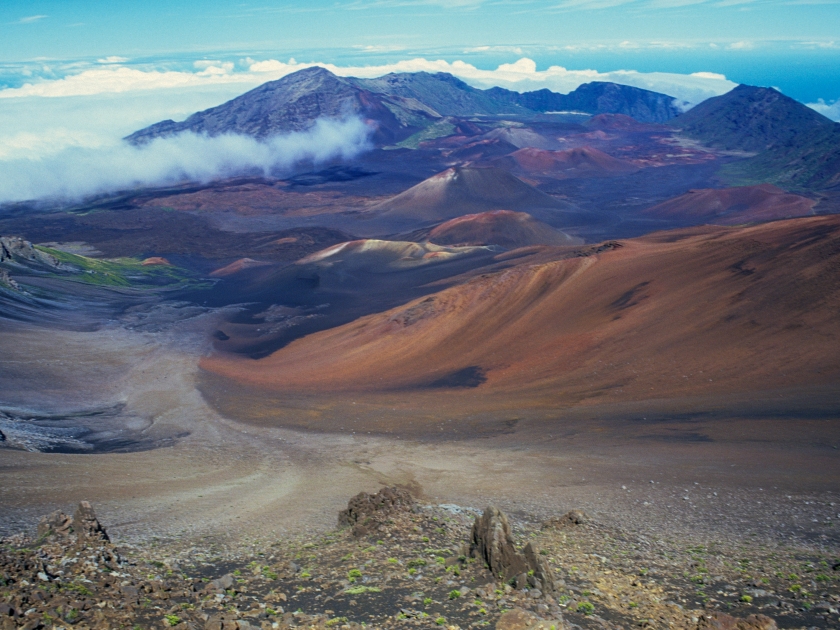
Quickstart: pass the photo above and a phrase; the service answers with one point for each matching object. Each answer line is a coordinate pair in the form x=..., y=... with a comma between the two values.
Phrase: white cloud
x=78, y=172
x=829, y=110
x=116, y=79
x=521, y=75
x=378, y=48
x=30, y=19
x=112, y=59
x=741, y=46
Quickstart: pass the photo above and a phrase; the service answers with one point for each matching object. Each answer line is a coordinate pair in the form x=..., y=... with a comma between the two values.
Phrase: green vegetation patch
x=118, y=272
x=358, y=590
x=439, y=129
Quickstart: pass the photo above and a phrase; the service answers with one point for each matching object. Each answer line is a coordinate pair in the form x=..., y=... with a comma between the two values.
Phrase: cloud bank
x=77, y=172
x=522, y=75
x=829, y=110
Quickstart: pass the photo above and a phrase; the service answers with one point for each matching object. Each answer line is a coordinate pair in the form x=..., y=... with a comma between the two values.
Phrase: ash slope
x=458, y=191
x=697, y=312
x=504, y=228
x=578, y=162
x=731, y=206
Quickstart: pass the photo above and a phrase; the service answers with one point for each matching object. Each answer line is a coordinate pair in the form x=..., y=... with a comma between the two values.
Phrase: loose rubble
x=396, y=563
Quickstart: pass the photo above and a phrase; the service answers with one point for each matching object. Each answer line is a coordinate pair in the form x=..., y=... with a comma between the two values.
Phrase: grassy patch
x=118, y=272
x=440, y=129
x=358, y=590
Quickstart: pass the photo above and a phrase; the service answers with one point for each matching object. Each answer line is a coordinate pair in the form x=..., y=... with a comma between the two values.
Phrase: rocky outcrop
x=88, y=528
x=7, y=281
x=722, y=621
x=83, y=528
x=17, y=250
x=366, y=513
x=491, y=541
x=571, y=518
x=57, y=526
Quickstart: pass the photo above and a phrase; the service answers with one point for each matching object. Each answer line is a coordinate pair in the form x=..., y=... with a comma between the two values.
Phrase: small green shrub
x=358, y=590
x=586, y=608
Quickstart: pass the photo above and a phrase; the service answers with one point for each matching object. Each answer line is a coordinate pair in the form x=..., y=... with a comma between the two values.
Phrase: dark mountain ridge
x=598, y=97
x=399, y=104
x=750, y=119
x=797, y=148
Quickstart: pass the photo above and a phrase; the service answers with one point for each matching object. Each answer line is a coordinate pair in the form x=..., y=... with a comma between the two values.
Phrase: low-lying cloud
x=520, y=75
x=78, y=172
x=829, y=110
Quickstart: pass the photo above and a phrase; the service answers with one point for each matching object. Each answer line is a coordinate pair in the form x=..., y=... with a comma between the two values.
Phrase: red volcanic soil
x=458, y=190
x=155, y=261
x=732, y=206
x=578, y=162
x=701, y=311
x=236, y=266
x=500, y=227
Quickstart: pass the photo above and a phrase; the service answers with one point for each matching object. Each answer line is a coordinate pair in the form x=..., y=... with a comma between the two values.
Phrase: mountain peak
x=750, y=118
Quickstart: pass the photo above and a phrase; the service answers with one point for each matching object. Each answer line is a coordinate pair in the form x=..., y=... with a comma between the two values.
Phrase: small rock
x=223, y=583
x=516, y=619
x=722, y=621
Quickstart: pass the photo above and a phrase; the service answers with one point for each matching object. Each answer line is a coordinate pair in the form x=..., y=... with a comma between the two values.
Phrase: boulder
x=55, y=526
x=491, y=541
x=87, y=527
x=223, y=583
x=83, y=528
x=722, y=621
x=540, y=575
x=366, y=513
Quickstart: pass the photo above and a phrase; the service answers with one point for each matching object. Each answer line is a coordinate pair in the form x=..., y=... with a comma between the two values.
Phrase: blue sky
x=76, y=28
x=791, y=44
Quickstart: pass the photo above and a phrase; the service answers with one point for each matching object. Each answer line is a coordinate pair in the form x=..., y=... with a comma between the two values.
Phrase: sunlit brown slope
x=699, y=311
x=458, y=191
x=383, y=256
x=731, y=206
x=499, y=227
x=579, y=162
